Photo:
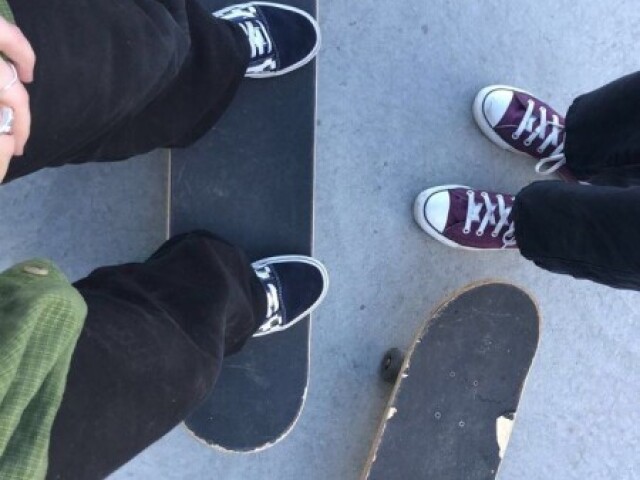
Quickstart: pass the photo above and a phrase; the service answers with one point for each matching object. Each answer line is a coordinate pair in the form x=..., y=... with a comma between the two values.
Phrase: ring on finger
x=6, y=120
x=14, y=78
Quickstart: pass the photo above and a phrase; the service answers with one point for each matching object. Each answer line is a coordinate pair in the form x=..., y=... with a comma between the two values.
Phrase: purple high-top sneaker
x=462, y=217
x=522, y=123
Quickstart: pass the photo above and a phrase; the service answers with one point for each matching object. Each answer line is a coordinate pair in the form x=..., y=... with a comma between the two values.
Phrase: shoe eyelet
x=514, y=136
x=479, y=233
x=466, y=231
x=469, y=192
x=540, y=150
x=527, y=143
x=494, y=235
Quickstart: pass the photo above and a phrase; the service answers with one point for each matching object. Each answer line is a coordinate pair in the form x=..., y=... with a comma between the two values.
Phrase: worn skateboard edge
x=388, y=411
x=261, y=448
x=285, y=433
x=294, y=422
x=169, y=191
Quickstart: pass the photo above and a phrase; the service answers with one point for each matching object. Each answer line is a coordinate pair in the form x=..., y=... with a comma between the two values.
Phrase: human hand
x=17, y=50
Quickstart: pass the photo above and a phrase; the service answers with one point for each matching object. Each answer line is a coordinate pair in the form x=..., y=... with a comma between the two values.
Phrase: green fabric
x=5, y=11
x=41, y=316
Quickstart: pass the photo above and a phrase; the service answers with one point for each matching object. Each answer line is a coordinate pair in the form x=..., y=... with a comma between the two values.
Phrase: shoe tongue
x=299, y=285
x=515, y=112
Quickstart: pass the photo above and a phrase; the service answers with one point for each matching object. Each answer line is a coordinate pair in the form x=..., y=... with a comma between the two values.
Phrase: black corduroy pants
x=151, y=350
x=114, y=79
x=591, y=231
x=117, y=78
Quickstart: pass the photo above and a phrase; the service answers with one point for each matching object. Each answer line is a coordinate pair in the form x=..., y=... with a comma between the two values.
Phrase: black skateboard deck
x=457, y=390
x=250, y=181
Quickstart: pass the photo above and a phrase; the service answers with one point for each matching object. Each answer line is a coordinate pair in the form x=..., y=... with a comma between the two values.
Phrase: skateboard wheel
x=391, y=365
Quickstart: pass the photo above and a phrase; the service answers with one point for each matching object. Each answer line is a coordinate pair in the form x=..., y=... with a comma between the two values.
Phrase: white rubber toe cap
x=431, y=209
x=436, y=210
x=489, y=107
x=495, y=103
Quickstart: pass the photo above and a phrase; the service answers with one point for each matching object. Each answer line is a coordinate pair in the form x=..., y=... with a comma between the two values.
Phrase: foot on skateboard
x=250, y=180
x=282, y=38
x=295, y=285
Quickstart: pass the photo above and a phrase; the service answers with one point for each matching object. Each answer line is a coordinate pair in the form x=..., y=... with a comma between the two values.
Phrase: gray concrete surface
x=396, y=84
x=86, y=216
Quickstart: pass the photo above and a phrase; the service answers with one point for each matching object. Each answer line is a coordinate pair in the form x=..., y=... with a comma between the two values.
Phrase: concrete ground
x=395, y=88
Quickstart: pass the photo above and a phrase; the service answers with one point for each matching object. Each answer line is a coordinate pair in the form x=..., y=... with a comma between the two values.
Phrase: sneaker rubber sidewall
x=420, y=216
x=483, y=124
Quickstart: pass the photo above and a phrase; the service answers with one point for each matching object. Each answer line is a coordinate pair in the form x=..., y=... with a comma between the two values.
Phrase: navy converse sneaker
x=295, y=285
x=282, y=38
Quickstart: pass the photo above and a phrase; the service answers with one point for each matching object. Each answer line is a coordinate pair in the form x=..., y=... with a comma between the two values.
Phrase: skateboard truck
x=391, y=365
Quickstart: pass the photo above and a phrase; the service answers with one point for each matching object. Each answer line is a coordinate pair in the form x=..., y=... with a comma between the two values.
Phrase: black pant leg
x=589, y=232
x=603, y=133
x=116, y=78
x=198, y=95
x=151, y=350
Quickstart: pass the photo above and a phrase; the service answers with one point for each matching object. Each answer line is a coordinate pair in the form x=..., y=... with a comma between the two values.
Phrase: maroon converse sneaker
x=461, y=217
x=519, y=122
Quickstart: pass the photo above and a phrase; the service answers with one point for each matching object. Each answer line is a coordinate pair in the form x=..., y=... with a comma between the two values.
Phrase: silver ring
x=6, y=120
x=13, y=81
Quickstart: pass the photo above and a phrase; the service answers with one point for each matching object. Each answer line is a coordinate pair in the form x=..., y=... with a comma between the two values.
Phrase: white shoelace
x=273, y=317
x=489, y=218
x=258, y=37
x=557, y=158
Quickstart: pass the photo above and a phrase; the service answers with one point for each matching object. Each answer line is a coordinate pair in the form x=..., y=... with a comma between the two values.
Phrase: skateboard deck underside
x=466, y=370
x=250, y=181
